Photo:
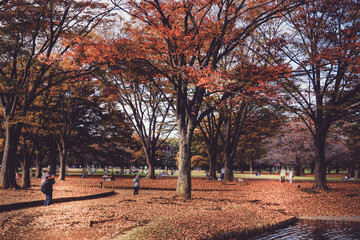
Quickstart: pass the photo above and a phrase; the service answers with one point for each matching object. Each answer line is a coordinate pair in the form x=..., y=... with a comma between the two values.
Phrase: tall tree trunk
x=7, y=174
x=25, y=165
x=151, y=172
x=352, y=171
x=212, y=164
x=233, y=129
x=27, y=152
x=53, y=154
x=312, y=168
x=38, y=165
x=62, y=148
x=298, y=167
x=320, y=164
x=183, y=188
x=251, y=167
x=211, y=129
x=4, y=174
x=151, y=167
x=39, y=155
x=62, y=155
x=228, y=147
x=186, y=129
x=150, y=155
x=228, y=171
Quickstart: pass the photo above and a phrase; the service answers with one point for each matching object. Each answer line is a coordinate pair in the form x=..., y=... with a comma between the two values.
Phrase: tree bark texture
x=53, y=154
x=233, y=130
x=38, y=161
x=320, y=164
x=150, y=157
x=212, y=163
x=183, y=188
x=62, y=165
x=185, y=128
x=25, y=165
x=298, y=167
x=211, y=130
x=62, y=155
x=7, y=174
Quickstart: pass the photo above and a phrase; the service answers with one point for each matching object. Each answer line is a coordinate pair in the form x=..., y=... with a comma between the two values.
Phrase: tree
x=353, y=144
x=235, y=116
x=210, y=128
x=146, y=108
x=291, y=146
x=35, y=37
x=253, y=88
x=70, y=104
x=101, y=135
x=323, y=44
x=30, y=140
x=186, y=41
x=198, y=161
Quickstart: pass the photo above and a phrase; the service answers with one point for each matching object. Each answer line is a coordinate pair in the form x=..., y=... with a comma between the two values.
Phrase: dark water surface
x=316, y=230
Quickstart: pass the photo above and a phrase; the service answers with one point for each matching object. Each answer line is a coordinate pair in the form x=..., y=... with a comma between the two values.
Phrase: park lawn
x=277, y=176
x=202, y=173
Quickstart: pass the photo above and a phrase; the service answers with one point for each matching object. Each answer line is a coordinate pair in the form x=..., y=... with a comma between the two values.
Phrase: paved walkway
x=333, y=218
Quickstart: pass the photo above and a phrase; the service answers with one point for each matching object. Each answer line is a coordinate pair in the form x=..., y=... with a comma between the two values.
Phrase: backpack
x=44, y=188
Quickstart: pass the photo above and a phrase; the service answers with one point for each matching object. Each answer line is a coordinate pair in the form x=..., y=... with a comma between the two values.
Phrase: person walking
x=136, y=184
x=290, y=175
x=47, y=189
x=282, y=174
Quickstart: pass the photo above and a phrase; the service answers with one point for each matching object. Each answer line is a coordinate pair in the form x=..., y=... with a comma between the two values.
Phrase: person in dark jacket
x=136, y=184
x=47, y=189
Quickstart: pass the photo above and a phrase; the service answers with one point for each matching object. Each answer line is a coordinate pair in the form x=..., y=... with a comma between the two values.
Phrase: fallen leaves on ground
x=155, y=214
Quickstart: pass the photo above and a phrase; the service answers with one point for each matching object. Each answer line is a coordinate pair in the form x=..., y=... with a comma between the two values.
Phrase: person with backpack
x=47, y=189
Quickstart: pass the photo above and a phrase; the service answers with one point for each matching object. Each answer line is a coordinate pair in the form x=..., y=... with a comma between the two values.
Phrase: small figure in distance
x=47, y=189
x=221, y=177
x=290, y=175
x=106, y=177
x=282, y=174
x=136, y=184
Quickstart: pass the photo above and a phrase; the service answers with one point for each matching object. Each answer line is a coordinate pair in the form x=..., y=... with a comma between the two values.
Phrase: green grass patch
x=202, y=173
x=162, y=228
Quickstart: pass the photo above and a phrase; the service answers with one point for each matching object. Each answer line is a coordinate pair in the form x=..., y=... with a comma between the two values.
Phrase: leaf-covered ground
x=157, y=214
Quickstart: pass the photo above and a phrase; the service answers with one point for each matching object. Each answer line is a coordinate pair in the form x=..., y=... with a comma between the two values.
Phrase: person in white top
x=290, y=175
